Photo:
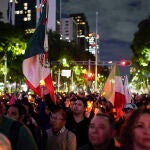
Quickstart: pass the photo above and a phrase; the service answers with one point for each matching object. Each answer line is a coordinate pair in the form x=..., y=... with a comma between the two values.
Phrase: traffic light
x=125, y=62
x=90, y=76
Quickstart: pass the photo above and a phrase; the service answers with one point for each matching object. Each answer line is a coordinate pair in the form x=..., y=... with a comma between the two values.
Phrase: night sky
x=117, y=22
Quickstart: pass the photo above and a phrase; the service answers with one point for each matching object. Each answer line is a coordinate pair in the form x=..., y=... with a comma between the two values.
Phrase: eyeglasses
x=55, y=118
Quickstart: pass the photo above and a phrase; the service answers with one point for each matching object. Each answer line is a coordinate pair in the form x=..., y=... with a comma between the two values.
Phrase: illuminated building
x=25, y=13
x=68, y=29
x=82, y=29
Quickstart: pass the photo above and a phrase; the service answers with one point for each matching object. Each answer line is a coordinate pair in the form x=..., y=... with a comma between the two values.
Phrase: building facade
x=25, y=13
x=82, y=29
x=68, y=29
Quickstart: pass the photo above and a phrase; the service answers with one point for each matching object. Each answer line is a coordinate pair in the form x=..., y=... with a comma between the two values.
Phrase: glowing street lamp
x=125, y=62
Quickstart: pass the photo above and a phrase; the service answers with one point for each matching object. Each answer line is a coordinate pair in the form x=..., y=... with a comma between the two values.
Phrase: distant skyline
x=117, y=22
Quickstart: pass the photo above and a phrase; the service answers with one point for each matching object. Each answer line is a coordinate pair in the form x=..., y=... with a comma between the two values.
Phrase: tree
x=141, y=45
x=141, y=49
x=12, y=44
x=59, y=49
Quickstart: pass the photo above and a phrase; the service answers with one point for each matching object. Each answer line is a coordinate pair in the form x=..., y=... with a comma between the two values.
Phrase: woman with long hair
x=135, y=133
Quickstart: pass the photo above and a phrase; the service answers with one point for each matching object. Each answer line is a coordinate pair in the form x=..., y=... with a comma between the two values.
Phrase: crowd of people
x=76, y=122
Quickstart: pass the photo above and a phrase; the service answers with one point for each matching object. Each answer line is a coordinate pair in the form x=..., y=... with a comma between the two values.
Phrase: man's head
x=101, y=130
x=72, y=102
x=128, y=109
x=79, y=106
x=58, y=119
x=16, y=111
x=67, y=102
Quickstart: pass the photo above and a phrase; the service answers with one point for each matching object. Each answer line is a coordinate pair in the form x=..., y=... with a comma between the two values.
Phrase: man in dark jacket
x=78, y=123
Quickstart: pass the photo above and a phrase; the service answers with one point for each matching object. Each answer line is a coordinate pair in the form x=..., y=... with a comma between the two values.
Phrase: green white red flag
x=127, y=91
x=113, y=89
x=35, y=63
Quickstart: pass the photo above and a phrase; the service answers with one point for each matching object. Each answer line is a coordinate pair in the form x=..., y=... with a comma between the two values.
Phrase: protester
x=135, y=134
x=16, y=112
x=60, y=138
x=128, y=109
x=18, y=134
x=4, y=143
x=101, y=133
x=4, y=107
x=78, y=123
x=72, y=102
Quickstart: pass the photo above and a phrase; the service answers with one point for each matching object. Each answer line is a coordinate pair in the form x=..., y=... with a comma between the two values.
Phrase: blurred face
x=100, y=131
x=67, y=102
x=78, y=107
x=57, y=121
x=127, y=113
x=72, y=104
x=141, y=132
x=13, y=113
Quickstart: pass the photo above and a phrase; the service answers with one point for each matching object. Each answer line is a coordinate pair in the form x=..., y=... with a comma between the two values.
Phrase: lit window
x=25, y=19
x=17, y=12
x=21, y=12
x=29, y=18
x=25, y=4
x=25, y=8
x=29, y=15
x=29, y=11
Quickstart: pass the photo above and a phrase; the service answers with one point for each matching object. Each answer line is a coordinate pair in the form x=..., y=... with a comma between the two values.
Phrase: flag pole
x=96, y=57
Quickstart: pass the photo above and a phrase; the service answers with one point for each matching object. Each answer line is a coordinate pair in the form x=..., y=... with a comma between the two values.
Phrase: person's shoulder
x=49, y=132
x=70, y=133
x=7, y=120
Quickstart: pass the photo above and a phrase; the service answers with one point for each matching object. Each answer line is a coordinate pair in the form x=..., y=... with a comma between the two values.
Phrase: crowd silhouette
x=76, y=122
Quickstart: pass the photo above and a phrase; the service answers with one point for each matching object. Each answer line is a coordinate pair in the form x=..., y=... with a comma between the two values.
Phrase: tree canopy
x=12, y=44
x=141, y=46
x=141, y=50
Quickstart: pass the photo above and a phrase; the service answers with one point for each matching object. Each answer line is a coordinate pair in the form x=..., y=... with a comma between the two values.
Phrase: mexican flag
x=127, y=91
x=113, y=89
x=35, y=63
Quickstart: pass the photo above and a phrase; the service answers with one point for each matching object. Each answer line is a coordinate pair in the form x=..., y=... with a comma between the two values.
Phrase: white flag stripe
x=33, y=70
x=127, y=90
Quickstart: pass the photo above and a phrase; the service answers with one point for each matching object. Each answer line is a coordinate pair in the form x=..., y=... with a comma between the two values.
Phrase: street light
x=125, y=62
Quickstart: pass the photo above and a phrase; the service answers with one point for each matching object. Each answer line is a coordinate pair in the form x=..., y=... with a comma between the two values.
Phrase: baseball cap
x=129, y=106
